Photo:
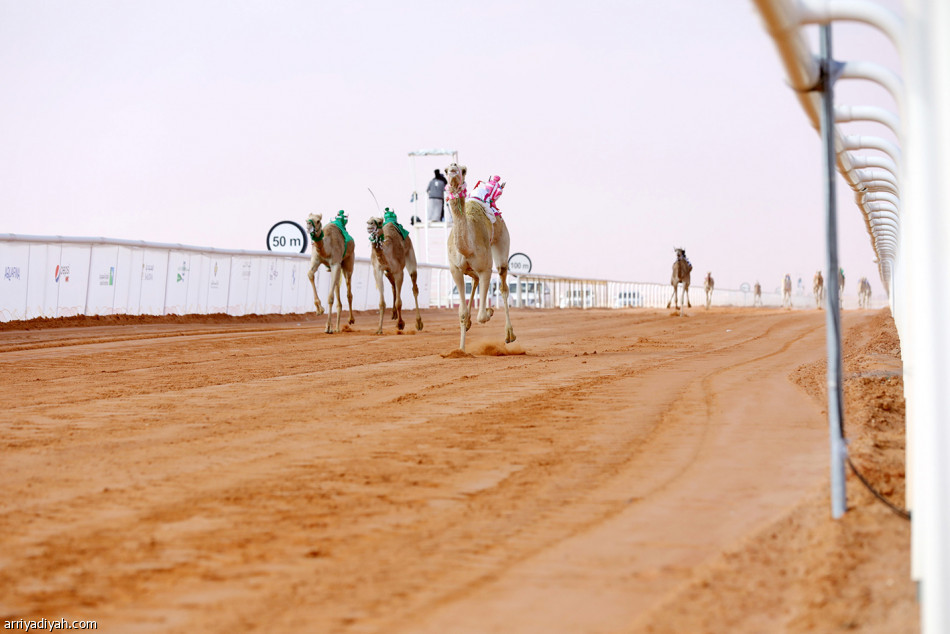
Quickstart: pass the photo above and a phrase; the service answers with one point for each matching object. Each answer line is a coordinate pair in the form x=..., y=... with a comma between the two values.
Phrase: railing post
x=829, y=70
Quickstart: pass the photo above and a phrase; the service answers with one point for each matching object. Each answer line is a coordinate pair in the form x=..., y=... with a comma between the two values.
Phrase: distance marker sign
x=287, y=237
x=519, y=264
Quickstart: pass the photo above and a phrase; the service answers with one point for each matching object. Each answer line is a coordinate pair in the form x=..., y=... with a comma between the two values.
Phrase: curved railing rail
x=903, y=196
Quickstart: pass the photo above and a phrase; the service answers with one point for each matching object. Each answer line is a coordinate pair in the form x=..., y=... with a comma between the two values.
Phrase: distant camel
x=818, y=288
x=681, y=270
x=709, y=284
x=840, y=287
x=391, y=253
x=864, y=293
x=787, y=291
x=757, y=295
x=333, y=248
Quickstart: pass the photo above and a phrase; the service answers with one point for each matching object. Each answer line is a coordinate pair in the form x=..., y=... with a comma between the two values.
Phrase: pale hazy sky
x=623, y=128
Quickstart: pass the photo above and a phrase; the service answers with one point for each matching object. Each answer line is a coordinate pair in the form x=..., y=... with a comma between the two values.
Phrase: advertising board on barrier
x=59, y=277
x=14, y=288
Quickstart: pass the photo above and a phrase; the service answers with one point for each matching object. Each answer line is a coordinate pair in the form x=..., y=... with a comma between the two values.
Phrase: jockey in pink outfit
x=489, y=192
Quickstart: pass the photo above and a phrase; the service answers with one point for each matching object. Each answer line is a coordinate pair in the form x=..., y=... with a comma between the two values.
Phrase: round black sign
x=287, y=237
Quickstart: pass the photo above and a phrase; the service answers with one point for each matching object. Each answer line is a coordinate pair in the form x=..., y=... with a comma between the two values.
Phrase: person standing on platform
x=436, y=192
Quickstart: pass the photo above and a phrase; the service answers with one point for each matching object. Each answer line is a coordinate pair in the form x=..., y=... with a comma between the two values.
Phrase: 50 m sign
x=287, y=237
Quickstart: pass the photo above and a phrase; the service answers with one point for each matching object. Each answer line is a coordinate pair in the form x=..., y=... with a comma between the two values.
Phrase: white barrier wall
x=61, y=277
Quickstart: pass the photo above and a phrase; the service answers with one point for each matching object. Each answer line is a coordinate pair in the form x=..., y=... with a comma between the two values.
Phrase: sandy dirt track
x=238, y=476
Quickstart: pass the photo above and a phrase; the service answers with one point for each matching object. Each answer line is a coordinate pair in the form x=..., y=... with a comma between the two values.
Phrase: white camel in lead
x=475, y=244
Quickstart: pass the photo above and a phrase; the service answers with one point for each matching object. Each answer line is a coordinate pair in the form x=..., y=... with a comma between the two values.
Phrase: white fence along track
x=904, y=199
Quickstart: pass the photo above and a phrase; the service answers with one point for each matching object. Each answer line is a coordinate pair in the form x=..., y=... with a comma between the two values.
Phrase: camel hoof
x=379, y=332
x=352, y=321
x=511, y=336
x=320, y=310
x=418, y=323
x=400, y=325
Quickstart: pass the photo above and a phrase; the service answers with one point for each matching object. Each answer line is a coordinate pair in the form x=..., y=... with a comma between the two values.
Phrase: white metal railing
x=903, y=198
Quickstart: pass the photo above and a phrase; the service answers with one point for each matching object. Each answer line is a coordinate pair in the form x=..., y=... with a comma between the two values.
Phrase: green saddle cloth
x=347, y=238
x=389, y=218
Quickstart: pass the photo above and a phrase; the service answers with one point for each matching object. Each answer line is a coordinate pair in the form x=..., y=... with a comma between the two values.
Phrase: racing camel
x=787, y=291
x=708, y=285
x=333, y=248
x=864, y=293
x=818, y=288
x=478, y=239
x=681, y=270
x=391, y=253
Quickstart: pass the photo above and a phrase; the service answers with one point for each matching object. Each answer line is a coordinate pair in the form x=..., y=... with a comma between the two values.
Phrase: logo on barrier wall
x=214, y=277
x=11, y=273
x=61, y=271
x=107, y=279
x=182, y=271
x=148, y=272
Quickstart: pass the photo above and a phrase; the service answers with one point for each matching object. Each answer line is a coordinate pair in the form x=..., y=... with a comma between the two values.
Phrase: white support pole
x=833, y=311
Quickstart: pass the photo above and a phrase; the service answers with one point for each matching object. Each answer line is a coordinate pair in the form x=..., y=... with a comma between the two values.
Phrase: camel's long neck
x=321, y=247
x=462, y=229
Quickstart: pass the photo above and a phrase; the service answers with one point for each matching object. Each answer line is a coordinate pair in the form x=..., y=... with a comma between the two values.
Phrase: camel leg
x=670, y=303
x=471, y=299
x=313, y=285
x=348, y=274
x=415, y=297
x=397, y=299
x=509, y=331
x=411, y=269
x=339, y=302
x=686, y=295
x=334, y=289
x=465, y=320
x=484, y=282
x=392, y=285
x=378, y=275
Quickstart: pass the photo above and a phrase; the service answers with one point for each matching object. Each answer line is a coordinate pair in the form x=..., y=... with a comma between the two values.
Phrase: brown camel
x=474, y=245
x=391, y=253
x=335, y=250
x=681, y=270
x=864, y=293
x=709, y=284
x=818, y=288
x=787, y=291
x=757, y=294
